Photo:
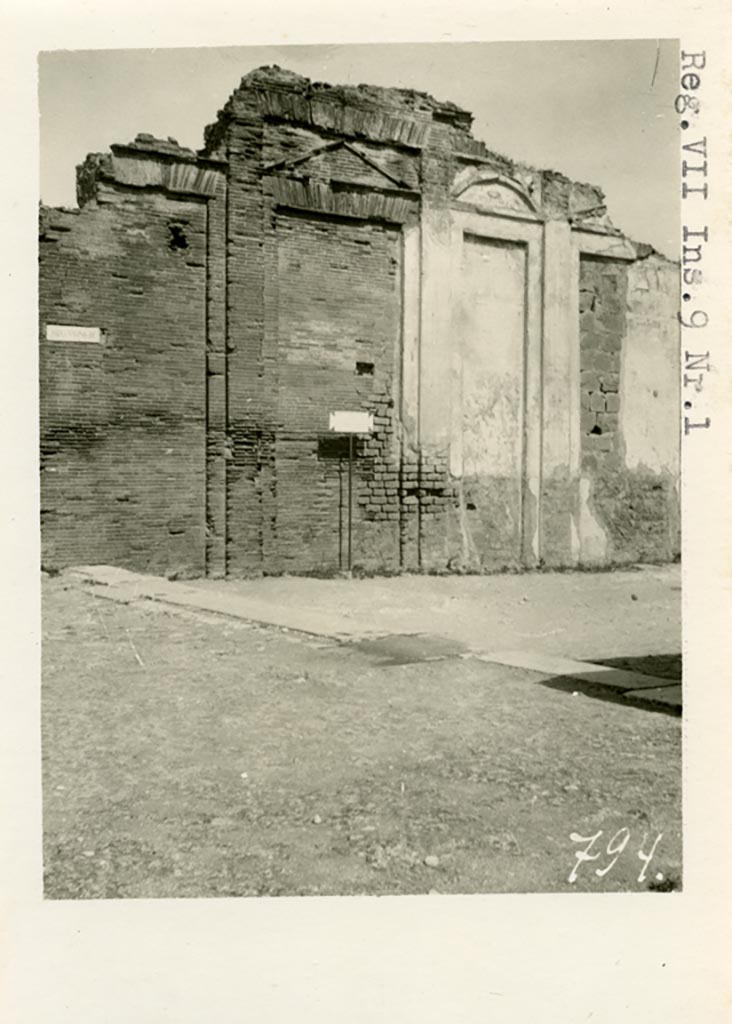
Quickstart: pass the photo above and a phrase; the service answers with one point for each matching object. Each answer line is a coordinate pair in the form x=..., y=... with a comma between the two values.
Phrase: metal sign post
x=351, y=423
x=350, y=498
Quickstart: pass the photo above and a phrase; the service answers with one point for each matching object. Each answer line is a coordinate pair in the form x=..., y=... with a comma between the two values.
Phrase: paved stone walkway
x=561, y=626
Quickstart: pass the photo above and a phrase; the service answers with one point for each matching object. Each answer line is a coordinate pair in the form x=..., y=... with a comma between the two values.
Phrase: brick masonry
x=246, y=291
x=123, y=421
x=603, y=288
x=637, y=507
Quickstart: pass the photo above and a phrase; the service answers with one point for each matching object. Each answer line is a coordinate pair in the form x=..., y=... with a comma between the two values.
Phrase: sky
x=600, y=112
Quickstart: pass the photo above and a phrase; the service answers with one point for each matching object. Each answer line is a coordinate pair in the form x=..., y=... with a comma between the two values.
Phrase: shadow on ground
x=650, y=682
x=664, y=666
x=647, y=700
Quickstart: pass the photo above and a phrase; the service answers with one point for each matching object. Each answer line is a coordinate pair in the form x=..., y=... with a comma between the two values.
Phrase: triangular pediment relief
x=338, y=161
x=493, y=193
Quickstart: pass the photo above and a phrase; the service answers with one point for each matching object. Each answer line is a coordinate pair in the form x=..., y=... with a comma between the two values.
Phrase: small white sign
x=344, y=422
x=70, y=332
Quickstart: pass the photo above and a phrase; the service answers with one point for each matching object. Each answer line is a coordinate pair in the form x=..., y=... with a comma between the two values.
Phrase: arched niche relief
x=493, y=193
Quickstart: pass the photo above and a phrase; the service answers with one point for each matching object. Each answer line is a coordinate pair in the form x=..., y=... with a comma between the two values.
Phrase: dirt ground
x=189, y=755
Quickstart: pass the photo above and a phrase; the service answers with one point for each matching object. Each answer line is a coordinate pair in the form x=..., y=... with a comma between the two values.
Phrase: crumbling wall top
x=145, y=143
x=409, y=102
x=394, y=115
x=406, y=118
x=387, y=114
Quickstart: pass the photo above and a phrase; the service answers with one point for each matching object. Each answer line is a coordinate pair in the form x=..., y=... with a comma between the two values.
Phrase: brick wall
x=636, y=506
x=314, y=312
x=123, y=422
x=603, y=287
x=250, y=453
x=338, y=334
x=299, y=265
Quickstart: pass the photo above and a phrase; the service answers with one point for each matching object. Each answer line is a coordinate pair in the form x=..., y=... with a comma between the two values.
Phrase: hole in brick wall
x=335, y=446
x=178, y=239
x=470, y=506
x=596, y=430
x=365, y=369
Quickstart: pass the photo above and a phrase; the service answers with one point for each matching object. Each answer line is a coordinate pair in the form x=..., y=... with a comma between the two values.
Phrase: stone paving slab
x=589, y=616
x=267, y=606
x=124, y=585
x=631, y=685
x=586, y=671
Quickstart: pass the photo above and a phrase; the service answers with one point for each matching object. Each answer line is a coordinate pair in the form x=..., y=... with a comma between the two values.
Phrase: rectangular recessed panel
x=491, y=336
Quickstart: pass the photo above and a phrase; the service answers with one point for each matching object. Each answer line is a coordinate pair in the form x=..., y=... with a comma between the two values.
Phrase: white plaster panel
x=592, y=536
x=437, y=267
x=524, y=453
x=561, y=338
x=650, y=369
x=490, y=312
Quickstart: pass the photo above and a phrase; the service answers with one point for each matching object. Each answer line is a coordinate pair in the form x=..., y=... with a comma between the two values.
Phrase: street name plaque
x=72, y=332
x=346, y=422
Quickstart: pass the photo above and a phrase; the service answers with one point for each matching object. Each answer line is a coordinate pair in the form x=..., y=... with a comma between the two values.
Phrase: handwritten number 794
x=614, y=849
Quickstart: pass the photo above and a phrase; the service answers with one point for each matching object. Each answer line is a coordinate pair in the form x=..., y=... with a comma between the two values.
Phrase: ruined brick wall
x=627, y=314
x=318, y=193
x=603, y=287
x=123, y=421
x=338, y=336
x=350, y=248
